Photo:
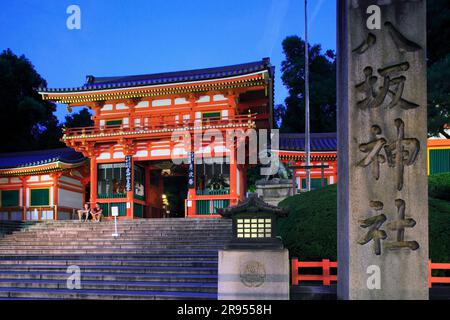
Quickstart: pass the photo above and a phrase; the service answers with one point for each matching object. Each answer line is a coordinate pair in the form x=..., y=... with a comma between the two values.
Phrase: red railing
x=168, y=122
x=326, y=277
x=437, y=266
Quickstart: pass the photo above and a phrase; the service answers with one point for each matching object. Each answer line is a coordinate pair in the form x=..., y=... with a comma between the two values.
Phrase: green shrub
x=439, y=186
x=309, y=232
x=439, y=230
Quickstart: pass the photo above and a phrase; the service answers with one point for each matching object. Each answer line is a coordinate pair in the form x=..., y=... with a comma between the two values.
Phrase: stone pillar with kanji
x=382, y=143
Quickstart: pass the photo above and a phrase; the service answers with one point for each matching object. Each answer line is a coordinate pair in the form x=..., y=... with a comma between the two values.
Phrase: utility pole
x=307, y=129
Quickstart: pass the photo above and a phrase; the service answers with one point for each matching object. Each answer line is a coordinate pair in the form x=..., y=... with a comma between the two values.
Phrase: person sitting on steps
x=85, y=211
x=97, y=213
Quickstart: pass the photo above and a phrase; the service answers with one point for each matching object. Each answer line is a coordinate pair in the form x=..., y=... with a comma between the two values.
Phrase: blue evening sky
x=119, y=37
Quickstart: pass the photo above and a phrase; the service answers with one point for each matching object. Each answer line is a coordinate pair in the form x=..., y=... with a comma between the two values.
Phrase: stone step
x=92, y=245
x=168, y=277
x=118, y=241
x=152, y=259
x=108, y=236
x=121, y=230
x=113, y=240
x=111, y=269
x=113, y=285
x=66, y=294
x=165, y=250
x=141, y=263
x=91, y=249
x=111, y=257
x=138, y=233
x=112, y=251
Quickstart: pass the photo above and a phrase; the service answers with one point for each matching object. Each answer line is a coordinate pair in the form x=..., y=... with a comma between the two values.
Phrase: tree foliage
x=438, y=30
x=438, y=54
x=322, y=68
x=80, y=119
x=439, y=97
x=28, y=122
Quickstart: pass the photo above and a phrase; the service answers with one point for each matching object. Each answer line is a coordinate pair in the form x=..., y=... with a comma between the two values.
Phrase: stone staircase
x=8, y=227
x=151, y=259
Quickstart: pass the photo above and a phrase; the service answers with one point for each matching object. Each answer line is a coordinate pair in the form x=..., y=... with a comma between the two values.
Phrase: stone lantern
x=254, y=224
x=254, y=265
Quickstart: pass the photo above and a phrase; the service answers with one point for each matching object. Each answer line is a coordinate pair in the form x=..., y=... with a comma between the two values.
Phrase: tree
x=322, y=88
x=28, y=122
x=439, y=97
x=80, y=119
x=438, y=30
x=438, y=33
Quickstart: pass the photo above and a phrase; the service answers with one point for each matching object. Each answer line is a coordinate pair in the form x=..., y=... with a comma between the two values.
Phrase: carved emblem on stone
x=252, y=274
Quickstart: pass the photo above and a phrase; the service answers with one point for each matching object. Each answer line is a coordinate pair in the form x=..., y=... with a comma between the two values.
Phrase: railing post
x=326, y=271
x=430, y=274
x=294, y=271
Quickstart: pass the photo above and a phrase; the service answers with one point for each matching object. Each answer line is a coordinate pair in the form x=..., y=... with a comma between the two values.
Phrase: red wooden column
x=55, y=177
x=147, y=186
x=233, y=176
x=93, y=190
x=24, y=197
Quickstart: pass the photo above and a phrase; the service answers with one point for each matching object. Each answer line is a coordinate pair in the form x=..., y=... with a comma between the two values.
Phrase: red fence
x=326, y=277
x=437, y=266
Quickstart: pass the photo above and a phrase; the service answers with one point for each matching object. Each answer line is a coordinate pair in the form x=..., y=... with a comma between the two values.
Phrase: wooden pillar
x=233, y=176
x=24, y=197
x=244, y=179
x=55, y=178
x=93, y=191
x=147, y=174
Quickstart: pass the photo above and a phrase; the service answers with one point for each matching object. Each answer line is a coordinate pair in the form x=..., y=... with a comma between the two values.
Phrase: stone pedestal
x=274, y=193
x=253, y=275
x=382, y=150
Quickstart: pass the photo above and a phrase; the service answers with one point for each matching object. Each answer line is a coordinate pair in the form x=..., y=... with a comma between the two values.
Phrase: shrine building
x=42, y=185
x=130, y=147
x=126, y=159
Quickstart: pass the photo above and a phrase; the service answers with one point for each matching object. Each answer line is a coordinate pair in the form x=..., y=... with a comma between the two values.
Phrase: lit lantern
x=254, y=224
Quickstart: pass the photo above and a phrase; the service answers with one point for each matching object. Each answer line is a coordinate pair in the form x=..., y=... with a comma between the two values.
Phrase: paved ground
x=319, y=292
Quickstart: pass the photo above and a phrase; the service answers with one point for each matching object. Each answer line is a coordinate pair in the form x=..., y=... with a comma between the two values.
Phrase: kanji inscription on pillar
x=382, y=136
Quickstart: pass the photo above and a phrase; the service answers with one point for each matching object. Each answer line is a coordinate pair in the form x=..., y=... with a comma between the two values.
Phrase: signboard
x=114, y=211
x=191, y=170
x=128, y=174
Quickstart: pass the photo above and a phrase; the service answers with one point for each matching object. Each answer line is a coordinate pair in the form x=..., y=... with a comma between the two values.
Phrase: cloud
x=315, y=12
x=277, y=13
